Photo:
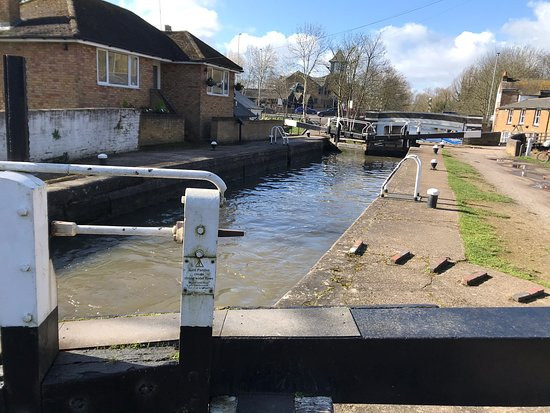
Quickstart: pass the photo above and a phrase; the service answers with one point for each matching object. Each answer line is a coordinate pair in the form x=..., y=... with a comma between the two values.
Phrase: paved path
x=391, y=225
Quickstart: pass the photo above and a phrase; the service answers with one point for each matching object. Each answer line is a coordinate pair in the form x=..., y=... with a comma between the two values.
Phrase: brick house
x=531, y=117
x=93, y=54
x=522, y=106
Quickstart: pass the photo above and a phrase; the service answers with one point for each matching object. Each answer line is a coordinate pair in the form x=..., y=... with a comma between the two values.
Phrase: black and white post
x=28, y=296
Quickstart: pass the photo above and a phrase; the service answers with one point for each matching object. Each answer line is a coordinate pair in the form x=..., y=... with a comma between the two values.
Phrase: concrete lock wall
x=161, y=128
x=226, y=130
x=77, y=133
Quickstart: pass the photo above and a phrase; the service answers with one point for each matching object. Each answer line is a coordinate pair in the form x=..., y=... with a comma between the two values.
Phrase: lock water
x=290, y=219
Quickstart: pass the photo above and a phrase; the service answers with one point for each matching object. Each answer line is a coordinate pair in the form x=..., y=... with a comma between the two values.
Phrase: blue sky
x=430, y=46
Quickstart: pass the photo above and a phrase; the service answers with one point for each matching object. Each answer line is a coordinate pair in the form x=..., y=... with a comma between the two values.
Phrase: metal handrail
x=416, y=194
x=277, y=130
x=96, y=170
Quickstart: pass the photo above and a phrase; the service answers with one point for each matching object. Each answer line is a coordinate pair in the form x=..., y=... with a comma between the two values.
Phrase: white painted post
x=28, y=294
x=200, y=240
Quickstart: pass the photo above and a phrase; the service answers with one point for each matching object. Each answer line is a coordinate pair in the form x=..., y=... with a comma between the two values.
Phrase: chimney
x=9, y=13
x=167, y=28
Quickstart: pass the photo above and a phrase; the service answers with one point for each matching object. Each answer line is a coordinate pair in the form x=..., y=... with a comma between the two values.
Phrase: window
x=117, y=69
x=220, y=80
x=537, y=118
x=510, y=116
x=522, y=117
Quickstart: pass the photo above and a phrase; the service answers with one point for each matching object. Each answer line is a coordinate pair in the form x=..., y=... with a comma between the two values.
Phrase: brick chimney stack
x=9, y=13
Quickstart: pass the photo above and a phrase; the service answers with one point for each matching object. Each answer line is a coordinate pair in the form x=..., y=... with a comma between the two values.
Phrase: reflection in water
x=290, y=220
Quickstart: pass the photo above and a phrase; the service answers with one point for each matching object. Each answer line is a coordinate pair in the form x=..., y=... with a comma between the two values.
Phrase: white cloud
x=241, y=43
x=197, y=16
x=535, y=31
x=429, y=59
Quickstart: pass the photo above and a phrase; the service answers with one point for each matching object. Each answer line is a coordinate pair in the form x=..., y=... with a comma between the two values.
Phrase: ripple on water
x=290, y=220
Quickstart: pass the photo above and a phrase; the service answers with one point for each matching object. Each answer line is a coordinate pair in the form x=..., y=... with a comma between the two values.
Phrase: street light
x=492, y=85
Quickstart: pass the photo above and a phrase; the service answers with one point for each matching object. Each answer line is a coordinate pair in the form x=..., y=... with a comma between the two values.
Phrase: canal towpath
x=391, y=225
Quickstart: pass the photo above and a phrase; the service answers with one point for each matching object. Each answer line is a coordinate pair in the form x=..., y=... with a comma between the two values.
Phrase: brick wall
x=159, y=128
x=215, y=106
x=184, y=99
x=9, y=12
x=93, y=95
x=78, y=133
x=226, y=130
x=528, y=126
x=193, y=101
x=52, y=78
x=64, y=75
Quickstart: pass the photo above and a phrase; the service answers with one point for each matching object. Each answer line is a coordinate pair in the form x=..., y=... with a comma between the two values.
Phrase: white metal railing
x=369, y=126
x=416, y=194
x=96, y=170
x=277, y=131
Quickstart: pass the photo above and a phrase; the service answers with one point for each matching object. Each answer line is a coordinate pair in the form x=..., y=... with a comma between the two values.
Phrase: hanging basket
x=210, y=82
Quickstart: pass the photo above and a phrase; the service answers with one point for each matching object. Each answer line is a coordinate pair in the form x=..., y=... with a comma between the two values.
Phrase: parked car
x=309, y=110
x=327, y=112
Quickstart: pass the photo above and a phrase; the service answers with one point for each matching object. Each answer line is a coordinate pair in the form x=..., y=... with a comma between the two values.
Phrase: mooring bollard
x=102, y=157
x=433, y=163
x=28, y=297
x=435, y=149
x=433, y=194
x=200, y=240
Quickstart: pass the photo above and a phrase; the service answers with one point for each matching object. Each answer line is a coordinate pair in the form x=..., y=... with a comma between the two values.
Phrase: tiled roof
x=104, y=23
x=540, y=103
x=198, y=51
x=528, y=87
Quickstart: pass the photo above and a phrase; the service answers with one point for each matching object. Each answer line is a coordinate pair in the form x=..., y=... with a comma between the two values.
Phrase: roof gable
x=199, y=51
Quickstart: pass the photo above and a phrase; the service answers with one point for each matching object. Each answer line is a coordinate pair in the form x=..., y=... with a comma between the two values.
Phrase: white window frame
x=510, y=116
x=225, y=82
x=158, y=76
x=131, y=58
x=536, y=119
x=521, y=117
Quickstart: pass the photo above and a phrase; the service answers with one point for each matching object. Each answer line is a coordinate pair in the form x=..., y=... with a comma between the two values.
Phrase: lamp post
x=492, y=85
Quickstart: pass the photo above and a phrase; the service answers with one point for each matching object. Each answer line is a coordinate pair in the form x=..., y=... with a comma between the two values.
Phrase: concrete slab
x=117, y=331
x=299, y=322
x=408, y=323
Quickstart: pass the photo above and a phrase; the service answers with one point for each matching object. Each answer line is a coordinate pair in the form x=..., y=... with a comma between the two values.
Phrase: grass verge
x=534, y=161
x=478, y=201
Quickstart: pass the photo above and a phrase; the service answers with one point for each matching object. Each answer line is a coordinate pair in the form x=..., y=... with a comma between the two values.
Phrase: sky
x=429, y=41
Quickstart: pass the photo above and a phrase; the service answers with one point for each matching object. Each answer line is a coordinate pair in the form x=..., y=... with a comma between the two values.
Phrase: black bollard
x=433, y=194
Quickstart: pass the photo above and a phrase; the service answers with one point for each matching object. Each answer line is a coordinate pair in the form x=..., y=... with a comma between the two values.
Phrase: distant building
x=522, y=106
x=531, y=117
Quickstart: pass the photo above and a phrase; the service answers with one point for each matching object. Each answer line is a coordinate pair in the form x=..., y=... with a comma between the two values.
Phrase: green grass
x=481, y=241
x=534, y=161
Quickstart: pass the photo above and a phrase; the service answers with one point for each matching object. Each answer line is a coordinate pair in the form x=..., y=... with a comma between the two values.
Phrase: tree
x=279, y=85
x=307, y=48
x=471, y=91
x=363, y=75
x=261, y=65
